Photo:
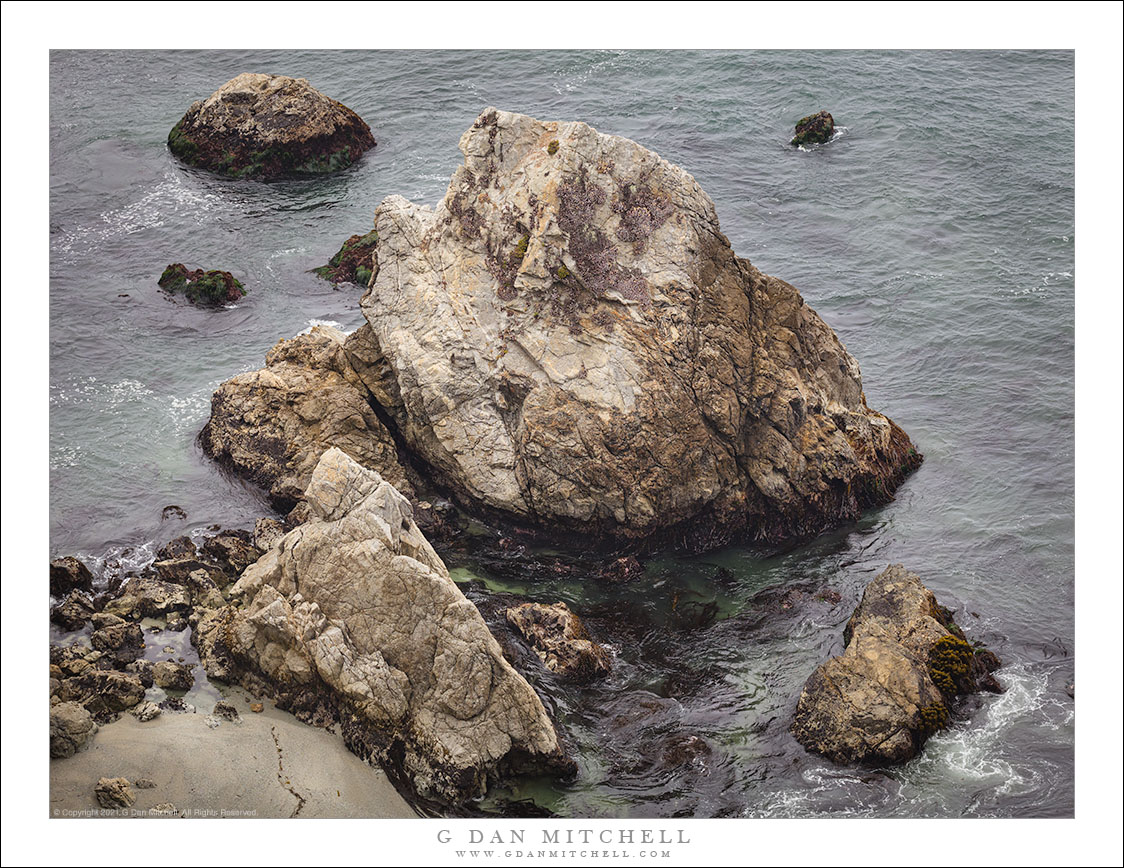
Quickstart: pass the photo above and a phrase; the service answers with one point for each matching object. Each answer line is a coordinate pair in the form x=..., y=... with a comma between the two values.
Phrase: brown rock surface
x=569, y=339
x=892, y=687
x=560, y=640
x=269, y=126
x=272, y=425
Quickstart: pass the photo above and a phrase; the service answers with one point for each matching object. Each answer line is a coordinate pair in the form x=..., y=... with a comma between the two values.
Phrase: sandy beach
x=268, y=766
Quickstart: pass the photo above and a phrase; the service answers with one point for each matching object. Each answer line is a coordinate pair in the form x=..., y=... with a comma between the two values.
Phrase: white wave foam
x=93, y=391
x=313, y=323
x=169, y=197
x=975, y=754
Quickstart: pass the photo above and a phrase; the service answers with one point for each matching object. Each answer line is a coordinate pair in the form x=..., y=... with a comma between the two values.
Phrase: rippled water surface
x=936, y=242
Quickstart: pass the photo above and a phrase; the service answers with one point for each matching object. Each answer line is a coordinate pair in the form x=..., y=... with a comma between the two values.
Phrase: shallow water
x=939, y=246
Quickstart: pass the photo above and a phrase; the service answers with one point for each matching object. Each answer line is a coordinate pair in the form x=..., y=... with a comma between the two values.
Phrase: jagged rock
x=204, y=592
x=123, y=642
x=69, y=574
x=354, y=611
x=894, y=684
x=173, y=676
x=569, y=339
x=212, y=288
x=144, y=784
x=267, y=531
x=142, y=669
x=73, y=612
x=148, y=597
x=103, y=692
x=269, y=126
x=69, y=660
x=814, y=129
x=179, y=548
x=176, y=570
x=561, y=640
x=114, y=793
x=232, y=550
x=353, y=262
x=273, y=425
x=146, y=711
x=226, y=711
x=71, y=728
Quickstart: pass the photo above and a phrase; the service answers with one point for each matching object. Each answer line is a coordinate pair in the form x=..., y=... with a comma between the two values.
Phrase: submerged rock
x=267, y=127
x=354, y=262
x=814, y=129
x=207, y=288
x=273, y=425
x=570, y=340
x=354, y=614
x=560, y=640
x=893, y=687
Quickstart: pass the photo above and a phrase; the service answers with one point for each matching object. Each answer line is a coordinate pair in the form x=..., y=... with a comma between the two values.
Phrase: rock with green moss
x=267, y=127
x=814, y=129
x=896, y=683
x=354, y=262
x=206, y=288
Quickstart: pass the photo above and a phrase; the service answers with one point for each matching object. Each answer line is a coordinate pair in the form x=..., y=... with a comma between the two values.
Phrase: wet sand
x=269, y=765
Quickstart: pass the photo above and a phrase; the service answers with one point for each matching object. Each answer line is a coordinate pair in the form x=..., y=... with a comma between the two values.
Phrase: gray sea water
x=935, y=235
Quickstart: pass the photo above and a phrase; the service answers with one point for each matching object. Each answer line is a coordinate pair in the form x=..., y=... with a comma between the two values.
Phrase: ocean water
x=935, y=235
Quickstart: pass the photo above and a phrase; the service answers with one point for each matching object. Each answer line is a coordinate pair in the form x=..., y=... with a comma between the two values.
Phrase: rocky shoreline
x=567, y=347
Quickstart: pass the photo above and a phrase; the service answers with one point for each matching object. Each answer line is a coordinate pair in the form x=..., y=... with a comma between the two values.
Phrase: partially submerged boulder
x=354, y=613
x=814, y=129
x=570, y=340
x=206, y=288
x=353, y=262
x=894, y=685
x=560, y=640
x=267, y=127
x=272, y=425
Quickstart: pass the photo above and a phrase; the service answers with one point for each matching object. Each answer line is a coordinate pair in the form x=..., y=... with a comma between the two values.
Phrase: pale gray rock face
x=568, y=338
x=878, y=702
x=273, y=425
x=355, y=605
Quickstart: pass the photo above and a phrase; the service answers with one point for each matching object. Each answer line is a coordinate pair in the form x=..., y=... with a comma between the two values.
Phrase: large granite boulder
x=273, y=425
x=354, y=611
x=572, y=342
x=894, y=685
x=269, y=126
